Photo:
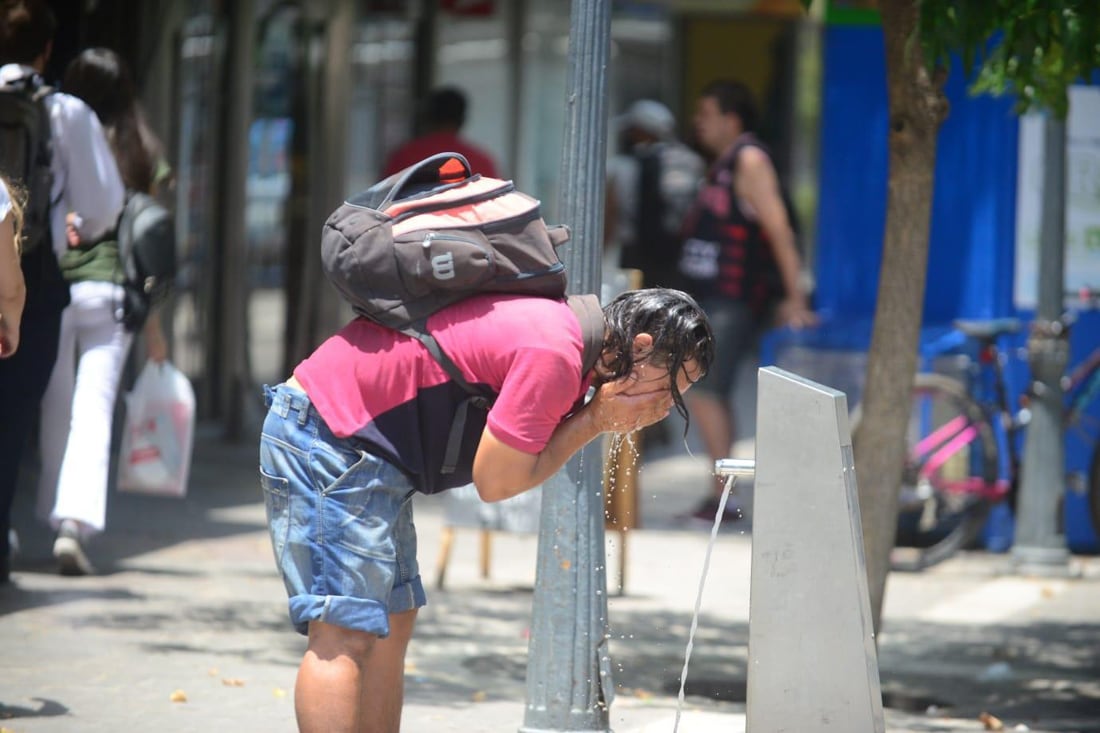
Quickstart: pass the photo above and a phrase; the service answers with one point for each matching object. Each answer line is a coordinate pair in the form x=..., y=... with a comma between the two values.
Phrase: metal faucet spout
x=734, y=467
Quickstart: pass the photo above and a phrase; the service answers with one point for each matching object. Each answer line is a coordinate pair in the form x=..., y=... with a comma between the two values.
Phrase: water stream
x=699, y=597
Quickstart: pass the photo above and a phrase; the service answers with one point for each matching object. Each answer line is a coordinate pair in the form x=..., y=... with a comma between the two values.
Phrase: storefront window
x=545, y=51
x=472, y=55
x=381, y=89
x=200, y=53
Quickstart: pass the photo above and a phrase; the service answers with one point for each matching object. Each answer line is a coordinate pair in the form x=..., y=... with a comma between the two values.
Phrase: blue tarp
x=972, y=243
x=974, y=207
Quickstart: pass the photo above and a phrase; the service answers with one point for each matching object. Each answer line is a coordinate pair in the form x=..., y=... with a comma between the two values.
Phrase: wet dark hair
x=26, y=29
x=101, y=79
x=733, y=97
x=679, y=327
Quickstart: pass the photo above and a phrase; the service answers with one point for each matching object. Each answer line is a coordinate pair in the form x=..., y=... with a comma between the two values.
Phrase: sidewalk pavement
x=184, y=628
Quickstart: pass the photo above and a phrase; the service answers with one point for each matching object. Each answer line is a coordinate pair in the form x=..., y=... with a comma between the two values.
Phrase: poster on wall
x=1082, y=270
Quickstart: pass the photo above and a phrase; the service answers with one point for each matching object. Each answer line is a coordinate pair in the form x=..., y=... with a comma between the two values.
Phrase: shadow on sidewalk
x=1045, y=673
x=223, y=499
x=473, y=645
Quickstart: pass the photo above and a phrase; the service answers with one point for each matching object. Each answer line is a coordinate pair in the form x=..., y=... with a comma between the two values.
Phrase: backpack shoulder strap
x=477, y=397
x=417, y=332
x=31, y=85
x=124, y=234
x=585, y=307
x=40, y=95
x=589, y=314
x=593, y=325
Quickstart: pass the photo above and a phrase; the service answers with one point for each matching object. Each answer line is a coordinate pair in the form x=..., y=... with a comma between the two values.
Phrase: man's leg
x=709, y=401
x=330, y=681
x=353, y=681
x=362, y=569
x=383, y=689
x=22, y=381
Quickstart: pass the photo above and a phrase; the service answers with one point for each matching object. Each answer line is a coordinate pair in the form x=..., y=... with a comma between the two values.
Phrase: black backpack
x=434, y=234
x=25, y=155
x=147, y=253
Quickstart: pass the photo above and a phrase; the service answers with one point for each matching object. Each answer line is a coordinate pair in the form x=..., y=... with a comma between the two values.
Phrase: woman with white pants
x=77, y=413
x=79, y=404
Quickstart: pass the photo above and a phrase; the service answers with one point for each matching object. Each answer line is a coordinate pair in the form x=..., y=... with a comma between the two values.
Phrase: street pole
x=228, y=362
x=1040, y=545
x=569, y=686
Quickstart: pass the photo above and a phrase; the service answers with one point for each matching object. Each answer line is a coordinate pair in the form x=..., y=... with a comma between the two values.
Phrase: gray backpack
x=25, y=155
x=147, y=255
x=434, y=234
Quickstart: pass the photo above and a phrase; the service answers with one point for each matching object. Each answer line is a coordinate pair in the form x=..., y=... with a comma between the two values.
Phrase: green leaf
x=1034, y=49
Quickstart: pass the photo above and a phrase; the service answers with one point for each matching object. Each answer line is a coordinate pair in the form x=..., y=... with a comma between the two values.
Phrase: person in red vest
x=443, y=115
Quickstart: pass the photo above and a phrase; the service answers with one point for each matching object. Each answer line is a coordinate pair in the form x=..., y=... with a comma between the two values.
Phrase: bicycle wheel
x=950, y=470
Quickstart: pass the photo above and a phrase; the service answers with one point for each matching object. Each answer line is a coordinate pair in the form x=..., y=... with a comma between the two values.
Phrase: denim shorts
x=737, y=332
x=341, y=521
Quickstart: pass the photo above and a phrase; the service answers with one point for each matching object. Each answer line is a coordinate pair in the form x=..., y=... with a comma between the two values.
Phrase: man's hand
x=9, y=336
x=793, y=312
x=156, y=346
x=500, y=471
x=624, y=405
x=73, y=222
x=631, y=403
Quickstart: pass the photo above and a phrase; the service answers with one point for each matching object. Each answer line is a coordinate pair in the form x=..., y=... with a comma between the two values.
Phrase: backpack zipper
x=495, y=226
x=509, y=187
x=447, y=236
x=552, y=270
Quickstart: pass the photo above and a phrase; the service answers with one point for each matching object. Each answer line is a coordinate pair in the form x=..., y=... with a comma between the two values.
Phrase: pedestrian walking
x=80, y=182
x=13, y=289
x=740, y=259
x=651, y=185
x=79, y=403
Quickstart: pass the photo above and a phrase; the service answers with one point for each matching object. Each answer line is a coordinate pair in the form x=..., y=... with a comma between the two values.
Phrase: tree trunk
x=916, y=107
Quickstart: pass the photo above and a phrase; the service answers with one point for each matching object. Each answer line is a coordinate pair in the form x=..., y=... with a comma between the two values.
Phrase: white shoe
x=71, y=559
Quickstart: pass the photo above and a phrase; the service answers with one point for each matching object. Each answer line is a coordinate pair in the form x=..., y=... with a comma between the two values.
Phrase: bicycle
x=964, y=444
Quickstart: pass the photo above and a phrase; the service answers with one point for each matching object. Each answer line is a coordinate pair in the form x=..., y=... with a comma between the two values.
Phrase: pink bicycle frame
x=936, y=448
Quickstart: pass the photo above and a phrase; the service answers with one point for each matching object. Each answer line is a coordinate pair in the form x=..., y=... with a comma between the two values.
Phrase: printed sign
x=1082, y=206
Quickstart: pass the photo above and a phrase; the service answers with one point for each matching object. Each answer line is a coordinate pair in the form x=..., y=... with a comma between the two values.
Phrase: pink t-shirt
x=382, y=386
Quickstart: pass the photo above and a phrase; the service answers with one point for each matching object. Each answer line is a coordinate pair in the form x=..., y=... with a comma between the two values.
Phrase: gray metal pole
x=569, y=686
x=233, y=380
x=1040, y=546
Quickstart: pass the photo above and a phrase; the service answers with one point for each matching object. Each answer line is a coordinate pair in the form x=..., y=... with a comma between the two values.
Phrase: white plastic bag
x=160, y=426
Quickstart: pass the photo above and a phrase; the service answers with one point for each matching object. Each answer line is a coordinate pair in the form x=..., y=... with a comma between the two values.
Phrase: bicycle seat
x=987, y=330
